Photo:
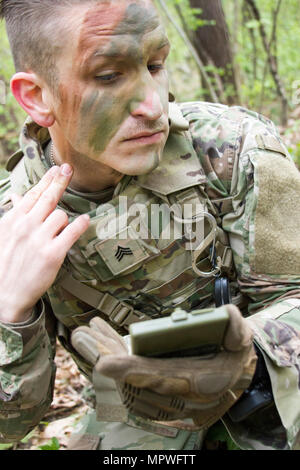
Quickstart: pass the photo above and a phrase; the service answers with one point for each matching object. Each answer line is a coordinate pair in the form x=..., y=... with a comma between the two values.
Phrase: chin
x=145, y=169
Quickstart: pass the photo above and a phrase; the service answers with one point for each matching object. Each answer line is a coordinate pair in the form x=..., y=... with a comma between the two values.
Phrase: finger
x=15, y=199
x=85, y=344
x=93, y=337
x=109, y=336
x=238, y=334
x=50, y=197
x=55, y=223
x=161, y=375
x=33, y=195
x=66, y=239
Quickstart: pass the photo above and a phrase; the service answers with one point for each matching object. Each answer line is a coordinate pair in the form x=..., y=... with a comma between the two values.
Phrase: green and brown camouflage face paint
x=110, y=111
x=113, y=105
x=105, y=111
x=122, y=84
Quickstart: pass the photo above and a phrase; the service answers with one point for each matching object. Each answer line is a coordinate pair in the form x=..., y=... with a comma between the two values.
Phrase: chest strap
x=118, y=312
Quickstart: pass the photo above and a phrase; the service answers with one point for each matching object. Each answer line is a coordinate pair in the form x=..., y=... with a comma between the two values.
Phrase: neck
x=89, y=175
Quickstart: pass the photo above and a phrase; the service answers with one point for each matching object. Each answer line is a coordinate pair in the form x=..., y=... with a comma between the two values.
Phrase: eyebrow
x=114, y=54
x=164, y=43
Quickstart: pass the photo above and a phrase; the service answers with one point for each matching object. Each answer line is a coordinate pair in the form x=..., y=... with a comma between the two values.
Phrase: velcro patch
x=277, y=217
x=123, y=252
x=269, y=142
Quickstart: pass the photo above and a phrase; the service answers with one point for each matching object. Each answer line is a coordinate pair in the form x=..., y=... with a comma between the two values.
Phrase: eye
x=154, y=68
x=108, y=78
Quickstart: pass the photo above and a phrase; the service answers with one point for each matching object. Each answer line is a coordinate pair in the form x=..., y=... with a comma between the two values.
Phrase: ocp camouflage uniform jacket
x=233, y=162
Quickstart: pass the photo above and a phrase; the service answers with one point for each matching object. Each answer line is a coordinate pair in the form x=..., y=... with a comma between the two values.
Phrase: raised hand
x=35, y=238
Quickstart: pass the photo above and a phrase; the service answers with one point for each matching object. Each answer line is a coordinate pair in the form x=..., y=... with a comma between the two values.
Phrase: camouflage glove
x=174, y=389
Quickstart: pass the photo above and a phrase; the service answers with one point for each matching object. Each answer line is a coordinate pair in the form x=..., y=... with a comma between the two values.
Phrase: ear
x=29, y=92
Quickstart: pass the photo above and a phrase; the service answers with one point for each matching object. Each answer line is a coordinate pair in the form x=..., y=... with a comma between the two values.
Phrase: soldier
x=101, y=130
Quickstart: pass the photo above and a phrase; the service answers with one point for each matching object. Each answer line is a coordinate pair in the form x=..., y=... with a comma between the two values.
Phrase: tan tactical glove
x=200, y=388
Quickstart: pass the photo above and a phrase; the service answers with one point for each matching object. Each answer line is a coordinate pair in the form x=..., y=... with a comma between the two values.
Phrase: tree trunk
x=271, y=58
x=212, y=43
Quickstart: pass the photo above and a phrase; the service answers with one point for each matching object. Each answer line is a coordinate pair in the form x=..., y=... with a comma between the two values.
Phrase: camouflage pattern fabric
x=116, y=436
x=217, y=156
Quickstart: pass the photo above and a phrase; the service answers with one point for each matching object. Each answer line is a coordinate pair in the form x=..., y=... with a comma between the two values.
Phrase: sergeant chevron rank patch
x=121, y=252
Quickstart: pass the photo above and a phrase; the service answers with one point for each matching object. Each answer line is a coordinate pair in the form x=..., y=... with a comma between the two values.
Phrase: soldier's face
x=113, y=86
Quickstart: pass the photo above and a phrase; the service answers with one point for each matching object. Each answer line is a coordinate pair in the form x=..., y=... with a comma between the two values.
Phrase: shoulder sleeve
x=263, y=228
x=264, y=222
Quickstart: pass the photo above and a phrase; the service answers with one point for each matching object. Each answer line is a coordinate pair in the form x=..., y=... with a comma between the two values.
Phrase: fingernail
x=66, y=169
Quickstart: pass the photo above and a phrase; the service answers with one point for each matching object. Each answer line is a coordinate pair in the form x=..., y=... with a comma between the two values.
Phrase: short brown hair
x=32, y=29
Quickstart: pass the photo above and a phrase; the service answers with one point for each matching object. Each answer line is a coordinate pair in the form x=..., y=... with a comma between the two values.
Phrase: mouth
x=146, y=137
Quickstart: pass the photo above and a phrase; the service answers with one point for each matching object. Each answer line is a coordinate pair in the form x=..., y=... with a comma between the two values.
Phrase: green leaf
x=52, y=445
x=6, y=446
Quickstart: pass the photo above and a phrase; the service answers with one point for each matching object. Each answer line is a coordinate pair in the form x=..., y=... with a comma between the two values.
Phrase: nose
x=149, y=106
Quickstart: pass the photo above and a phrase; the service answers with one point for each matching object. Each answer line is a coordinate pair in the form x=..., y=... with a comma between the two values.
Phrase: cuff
x=277, y=334
x=18, y=339
x=34, y=315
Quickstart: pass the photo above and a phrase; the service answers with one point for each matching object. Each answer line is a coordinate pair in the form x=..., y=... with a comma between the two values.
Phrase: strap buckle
x=119, y=312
